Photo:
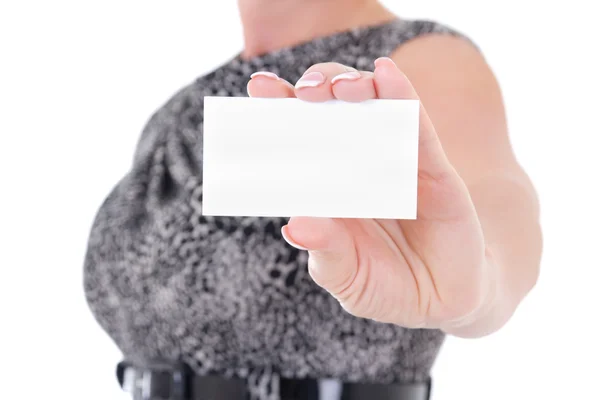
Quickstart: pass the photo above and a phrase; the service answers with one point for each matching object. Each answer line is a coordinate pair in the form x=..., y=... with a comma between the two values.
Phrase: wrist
x=494, y=310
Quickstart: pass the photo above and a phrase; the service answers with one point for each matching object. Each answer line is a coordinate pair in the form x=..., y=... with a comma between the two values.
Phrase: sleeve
x=404, y=31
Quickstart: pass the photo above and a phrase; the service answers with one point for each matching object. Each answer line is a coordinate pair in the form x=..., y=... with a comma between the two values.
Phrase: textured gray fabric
x=228, y=295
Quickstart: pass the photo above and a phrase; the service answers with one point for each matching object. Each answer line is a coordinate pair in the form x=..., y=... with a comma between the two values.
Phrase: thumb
x=442, y=195
x=332, y=256
x=391, y=83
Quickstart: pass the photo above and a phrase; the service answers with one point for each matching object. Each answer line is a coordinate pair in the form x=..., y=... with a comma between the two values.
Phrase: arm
x=473, y=252
x=464, y=102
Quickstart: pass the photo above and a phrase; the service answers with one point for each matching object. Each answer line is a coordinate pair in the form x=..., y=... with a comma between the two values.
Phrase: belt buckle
x=157, y=380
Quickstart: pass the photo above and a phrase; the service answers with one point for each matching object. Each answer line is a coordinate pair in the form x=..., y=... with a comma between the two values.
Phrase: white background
x=78, y=80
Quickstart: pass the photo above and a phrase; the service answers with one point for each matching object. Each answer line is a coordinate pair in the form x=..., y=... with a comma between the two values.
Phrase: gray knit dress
x=228, y=295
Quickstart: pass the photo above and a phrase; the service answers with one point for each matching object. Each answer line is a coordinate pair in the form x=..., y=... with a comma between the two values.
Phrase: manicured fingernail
x=346, y=76
x=266, y=74
x=384, y=59
x=287, y=238
x=312, y=79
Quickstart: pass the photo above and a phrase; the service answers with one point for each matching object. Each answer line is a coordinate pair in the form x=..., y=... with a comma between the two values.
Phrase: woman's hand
x=432, y=272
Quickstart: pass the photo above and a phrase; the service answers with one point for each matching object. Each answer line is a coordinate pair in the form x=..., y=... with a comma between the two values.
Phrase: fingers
x=328, y=81
x=269, y=85
x=354, y=90
x=321, y=82
x=332, y=263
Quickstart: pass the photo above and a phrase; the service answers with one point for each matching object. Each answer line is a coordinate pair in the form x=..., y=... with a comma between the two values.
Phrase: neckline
x=322, y=43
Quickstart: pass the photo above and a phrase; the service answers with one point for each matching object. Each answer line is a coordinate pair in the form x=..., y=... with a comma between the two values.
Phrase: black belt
x=165, y=381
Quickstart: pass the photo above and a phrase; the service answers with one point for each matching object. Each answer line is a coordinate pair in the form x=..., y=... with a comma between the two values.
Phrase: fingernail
x=287, y=238
x=346, y=76
x=266, y=74
x=312, y=79
x=384, y=59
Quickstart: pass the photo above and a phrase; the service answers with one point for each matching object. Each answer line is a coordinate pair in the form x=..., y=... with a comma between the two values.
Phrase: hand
x=432, y=272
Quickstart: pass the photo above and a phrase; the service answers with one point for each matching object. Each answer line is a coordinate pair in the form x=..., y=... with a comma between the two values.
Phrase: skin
x=473, y=252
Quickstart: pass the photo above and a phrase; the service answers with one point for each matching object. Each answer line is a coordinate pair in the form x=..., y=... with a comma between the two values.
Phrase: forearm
x=464, y=101
x=507, y=207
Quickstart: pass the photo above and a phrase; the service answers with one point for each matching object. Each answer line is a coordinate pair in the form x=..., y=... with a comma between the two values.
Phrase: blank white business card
x=287, y=157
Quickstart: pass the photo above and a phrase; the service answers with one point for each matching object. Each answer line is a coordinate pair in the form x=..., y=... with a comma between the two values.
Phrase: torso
x=228, y=295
